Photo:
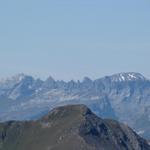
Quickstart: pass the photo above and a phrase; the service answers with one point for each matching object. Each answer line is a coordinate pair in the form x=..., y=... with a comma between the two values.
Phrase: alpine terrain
x=124, y=97
x=72, y=127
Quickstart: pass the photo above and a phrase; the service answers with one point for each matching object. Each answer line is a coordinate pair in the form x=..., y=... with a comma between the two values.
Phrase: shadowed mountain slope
x=72, y=127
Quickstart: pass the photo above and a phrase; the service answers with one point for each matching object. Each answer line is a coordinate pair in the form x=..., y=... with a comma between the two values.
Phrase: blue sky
x=70, y=39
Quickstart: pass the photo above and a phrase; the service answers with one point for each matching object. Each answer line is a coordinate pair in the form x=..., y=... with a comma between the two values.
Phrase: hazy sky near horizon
x=70, y=39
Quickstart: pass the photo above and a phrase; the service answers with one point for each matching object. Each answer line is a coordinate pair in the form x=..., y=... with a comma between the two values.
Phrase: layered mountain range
x=124, y=97
x=72, y=127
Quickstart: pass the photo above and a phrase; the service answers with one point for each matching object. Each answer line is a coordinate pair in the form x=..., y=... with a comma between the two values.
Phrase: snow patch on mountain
x=131, y=76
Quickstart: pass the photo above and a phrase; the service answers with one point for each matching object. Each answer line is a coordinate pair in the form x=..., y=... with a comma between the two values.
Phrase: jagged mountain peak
x=50, y=79
x=123, y=96
x=124, y=76
x=87, y=79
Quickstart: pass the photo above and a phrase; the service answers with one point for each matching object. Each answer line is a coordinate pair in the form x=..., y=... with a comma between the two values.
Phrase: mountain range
x=72, y=127
x=124, y=97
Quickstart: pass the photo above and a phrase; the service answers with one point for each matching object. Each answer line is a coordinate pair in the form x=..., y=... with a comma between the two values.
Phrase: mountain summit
x=130, y=76
x=72, y=127
x=124, y=97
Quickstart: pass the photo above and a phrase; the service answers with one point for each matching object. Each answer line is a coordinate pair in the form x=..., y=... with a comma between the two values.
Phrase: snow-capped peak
x=130, y=76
